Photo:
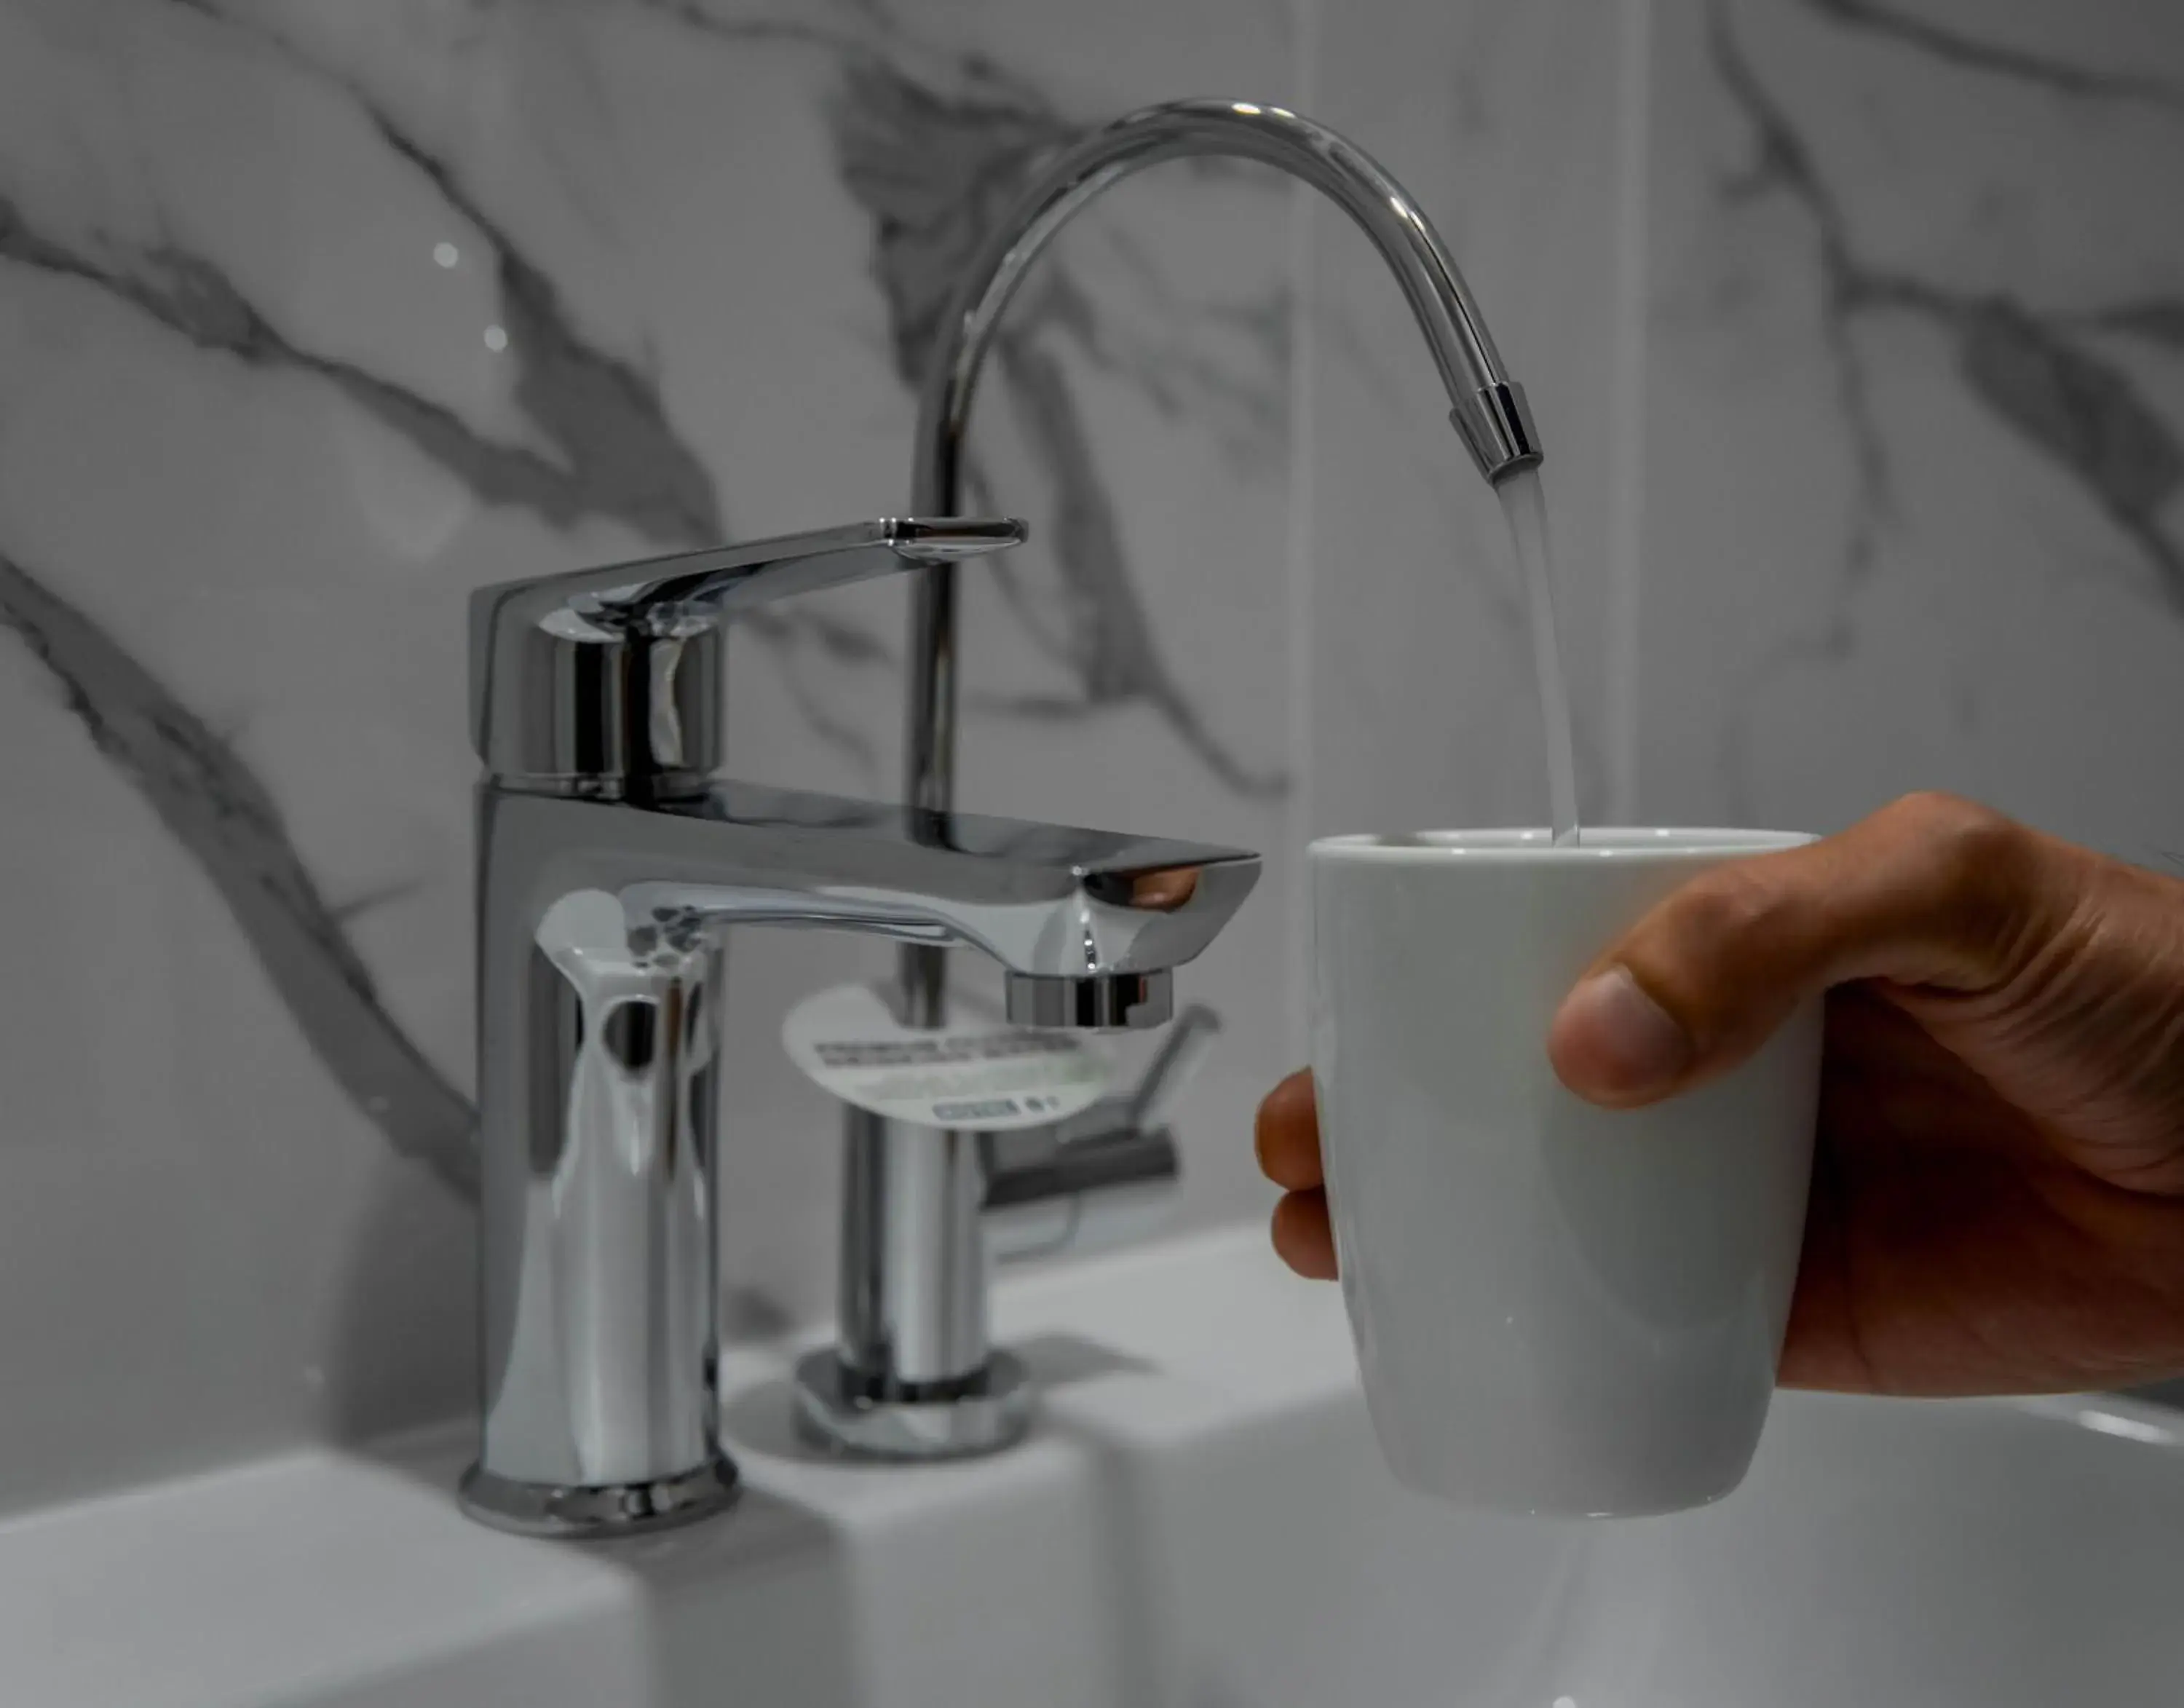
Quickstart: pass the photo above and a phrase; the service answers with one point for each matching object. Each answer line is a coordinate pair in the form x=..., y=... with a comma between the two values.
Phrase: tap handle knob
x=598, y=679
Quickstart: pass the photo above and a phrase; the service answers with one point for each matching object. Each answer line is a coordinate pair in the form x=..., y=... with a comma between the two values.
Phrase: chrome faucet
x=610, y=862
x=913, y=1375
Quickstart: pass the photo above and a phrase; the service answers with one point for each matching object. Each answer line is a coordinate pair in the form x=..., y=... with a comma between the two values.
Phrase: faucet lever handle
x=594, y=678
x=722, y=580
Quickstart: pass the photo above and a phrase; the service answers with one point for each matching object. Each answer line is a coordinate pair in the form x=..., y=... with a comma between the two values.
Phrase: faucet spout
x=1075, y=918
x=1487, y=407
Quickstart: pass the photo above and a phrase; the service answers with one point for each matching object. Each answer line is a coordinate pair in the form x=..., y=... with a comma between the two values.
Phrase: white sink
x=1201, y=1522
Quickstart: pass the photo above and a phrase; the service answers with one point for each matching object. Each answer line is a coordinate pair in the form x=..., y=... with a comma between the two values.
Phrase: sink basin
x=1201, y=1521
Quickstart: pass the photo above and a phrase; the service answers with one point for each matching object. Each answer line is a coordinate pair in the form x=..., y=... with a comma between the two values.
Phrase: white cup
x=1558, y=1308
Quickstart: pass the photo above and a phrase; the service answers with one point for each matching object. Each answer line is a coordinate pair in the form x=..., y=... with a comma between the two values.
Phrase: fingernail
x=1631, y=1043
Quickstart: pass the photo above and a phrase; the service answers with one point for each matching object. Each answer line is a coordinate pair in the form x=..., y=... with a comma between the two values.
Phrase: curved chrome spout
x=1487, y=407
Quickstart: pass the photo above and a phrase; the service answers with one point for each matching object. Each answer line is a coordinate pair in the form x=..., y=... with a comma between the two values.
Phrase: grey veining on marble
x=934, y=174
x=618, y=461
x=614, y=453
x=2030, y=367
x=933, y=147
x=928, y=167
x=212, y=805
x=617, y=455
x=2066, y=378
x=611, y=451
x=1952, y=45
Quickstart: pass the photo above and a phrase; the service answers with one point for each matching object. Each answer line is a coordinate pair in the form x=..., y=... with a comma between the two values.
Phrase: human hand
x=1998, y=1201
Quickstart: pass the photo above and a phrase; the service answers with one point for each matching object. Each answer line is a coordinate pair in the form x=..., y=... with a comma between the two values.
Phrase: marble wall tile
x=314, y=317
x=1915, y=438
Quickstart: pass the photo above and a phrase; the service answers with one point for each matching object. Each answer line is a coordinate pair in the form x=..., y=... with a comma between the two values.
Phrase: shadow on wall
x=401, y=1348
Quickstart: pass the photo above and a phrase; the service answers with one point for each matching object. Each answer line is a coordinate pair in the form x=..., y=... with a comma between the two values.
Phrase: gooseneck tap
x=912, y=1347
x=610, y=861
x=1487, y=407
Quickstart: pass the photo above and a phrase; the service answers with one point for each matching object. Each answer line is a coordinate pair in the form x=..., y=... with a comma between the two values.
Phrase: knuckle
x=1728, y=903
x=1975, y=852
x=1981, y=865
x=1962, y=832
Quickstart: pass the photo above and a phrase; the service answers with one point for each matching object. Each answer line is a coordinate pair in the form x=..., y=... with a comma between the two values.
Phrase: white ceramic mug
x=1558, y=1308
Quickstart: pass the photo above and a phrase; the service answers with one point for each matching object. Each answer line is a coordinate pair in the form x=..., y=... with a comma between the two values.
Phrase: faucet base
x=831, y=1413
x=578, y=1512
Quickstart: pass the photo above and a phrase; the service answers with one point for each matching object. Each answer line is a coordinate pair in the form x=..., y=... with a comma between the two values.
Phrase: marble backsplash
x=1852, y=327
x=1915, y=494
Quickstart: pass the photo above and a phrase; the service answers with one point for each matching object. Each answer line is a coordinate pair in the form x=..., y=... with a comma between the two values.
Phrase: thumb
x=1930, y=892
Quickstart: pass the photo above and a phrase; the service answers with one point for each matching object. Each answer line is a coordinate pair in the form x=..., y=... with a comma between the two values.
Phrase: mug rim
x=1622, y=844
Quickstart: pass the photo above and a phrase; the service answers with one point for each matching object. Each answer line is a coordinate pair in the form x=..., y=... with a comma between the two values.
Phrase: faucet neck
x=1498, y=429
x=1485, y=404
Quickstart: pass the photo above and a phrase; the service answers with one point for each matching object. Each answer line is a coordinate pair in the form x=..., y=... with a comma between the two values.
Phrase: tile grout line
x=1303, y=351
x=1627, y=457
